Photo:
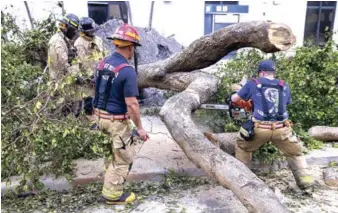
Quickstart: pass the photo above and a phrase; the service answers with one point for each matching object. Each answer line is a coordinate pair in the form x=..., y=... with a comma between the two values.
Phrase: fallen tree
x=196, y=88
x=324, y=133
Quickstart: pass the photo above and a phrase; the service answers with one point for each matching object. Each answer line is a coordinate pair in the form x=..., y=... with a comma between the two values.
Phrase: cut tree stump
x=331, y=176
x=324, y=133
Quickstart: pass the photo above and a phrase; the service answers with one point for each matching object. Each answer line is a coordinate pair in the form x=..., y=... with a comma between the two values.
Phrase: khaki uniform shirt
x=89, y=54
x=59, y=48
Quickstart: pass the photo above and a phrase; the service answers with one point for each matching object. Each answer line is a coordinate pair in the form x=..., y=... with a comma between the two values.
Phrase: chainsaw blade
x=215, y=106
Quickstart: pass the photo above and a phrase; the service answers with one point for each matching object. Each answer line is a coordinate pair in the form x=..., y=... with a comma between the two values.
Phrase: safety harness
x=267, y=115
x=105, y=72
x=247, y=130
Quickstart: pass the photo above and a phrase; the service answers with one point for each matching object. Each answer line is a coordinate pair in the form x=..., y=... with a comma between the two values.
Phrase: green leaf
x=37, y=106
x=54, y=142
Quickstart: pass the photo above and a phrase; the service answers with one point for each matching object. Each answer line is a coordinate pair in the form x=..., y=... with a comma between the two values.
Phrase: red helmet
x=126, y=33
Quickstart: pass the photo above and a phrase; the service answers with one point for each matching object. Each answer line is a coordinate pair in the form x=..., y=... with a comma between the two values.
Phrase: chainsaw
x=238, y=115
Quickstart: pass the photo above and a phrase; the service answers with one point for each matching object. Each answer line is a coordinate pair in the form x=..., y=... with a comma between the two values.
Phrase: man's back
x=124, y=85
x=265, y=89
x=57, y=55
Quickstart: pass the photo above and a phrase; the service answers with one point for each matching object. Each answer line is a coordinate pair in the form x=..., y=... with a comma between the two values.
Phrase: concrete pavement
x=156, y=157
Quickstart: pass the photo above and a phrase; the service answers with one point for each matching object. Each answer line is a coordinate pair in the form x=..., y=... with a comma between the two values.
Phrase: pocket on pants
x=127, y=154
x=282, y=133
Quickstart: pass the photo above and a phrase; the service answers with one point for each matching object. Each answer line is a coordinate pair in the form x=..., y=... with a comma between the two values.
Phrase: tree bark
x=224, y=141
x=180, y=73
x=324, y=133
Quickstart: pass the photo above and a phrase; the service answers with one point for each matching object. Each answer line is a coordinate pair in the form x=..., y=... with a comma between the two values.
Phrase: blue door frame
x=221, y=9
x=217, y=9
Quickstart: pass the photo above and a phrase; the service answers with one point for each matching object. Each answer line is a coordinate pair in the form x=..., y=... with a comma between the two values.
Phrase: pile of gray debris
x=154, y=46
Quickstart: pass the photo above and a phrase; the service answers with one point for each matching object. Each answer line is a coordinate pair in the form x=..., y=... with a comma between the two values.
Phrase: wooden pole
x=29, y=14
x=151, y=14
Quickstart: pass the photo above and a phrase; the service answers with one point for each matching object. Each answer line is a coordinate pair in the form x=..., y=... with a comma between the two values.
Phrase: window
x=324, y=3
x=106, y=10
x=98, y=12
x=319, y=21
x=220, y=14
x=222, y=2
x=224, y=20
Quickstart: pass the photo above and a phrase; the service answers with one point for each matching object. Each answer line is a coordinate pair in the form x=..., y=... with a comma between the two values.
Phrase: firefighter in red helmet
x=117, y=110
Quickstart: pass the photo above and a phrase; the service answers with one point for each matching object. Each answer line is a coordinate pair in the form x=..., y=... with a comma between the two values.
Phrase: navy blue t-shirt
x=251, y=91
x=124, y=85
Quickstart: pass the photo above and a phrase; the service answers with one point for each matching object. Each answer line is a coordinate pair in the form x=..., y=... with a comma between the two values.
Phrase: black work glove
x=80, y=81
x=92, y=79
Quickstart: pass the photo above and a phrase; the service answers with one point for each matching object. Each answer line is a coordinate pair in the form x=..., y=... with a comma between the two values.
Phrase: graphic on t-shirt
x=271, y=94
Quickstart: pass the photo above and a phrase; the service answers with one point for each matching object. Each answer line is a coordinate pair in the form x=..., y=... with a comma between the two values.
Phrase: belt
x=272, y=125
x=108, y=116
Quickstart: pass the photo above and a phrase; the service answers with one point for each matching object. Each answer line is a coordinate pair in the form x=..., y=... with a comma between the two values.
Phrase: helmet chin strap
x=69, y=33
x=86, y=37
x=135, y=59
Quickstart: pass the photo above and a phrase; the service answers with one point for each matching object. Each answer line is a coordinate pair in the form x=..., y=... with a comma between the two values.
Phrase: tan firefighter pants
x=285, y=141
x=124, y=153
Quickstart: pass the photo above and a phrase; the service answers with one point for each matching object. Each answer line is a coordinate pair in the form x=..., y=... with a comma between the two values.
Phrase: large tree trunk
x=324, y=133
x=197, y=88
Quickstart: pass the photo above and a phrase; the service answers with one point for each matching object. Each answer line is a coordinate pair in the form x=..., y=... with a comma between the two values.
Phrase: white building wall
x=291, y=13
x=79, y=8
x=39, y=10
x=184, y=19
x=335, y=27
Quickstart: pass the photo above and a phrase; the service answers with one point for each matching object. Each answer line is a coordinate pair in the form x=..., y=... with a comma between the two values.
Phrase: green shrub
x=38, y=133
x=312, y=75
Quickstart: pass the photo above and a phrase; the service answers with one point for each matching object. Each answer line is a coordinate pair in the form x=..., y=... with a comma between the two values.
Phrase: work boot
x=298, y=167
x=304, y=182
x=126, y=197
